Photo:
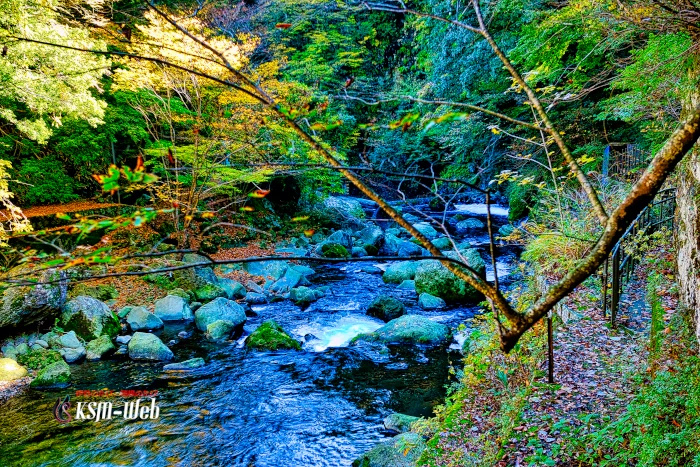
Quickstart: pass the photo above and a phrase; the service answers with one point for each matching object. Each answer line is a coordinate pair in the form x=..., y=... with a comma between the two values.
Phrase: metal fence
x=619, y=268
x=621, y=160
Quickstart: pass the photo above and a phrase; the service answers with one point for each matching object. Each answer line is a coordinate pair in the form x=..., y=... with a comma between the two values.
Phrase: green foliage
x=39, y=359
x=46, y=182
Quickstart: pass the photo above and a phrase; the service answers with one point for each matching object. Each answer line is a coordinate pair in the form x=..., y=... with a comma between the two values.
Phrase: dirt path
x=74, y=206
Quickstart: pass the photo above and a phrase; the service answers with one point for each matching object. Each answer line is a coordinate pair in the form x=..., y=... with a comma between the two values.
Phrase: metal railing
x=621, y=160
x=623, y=259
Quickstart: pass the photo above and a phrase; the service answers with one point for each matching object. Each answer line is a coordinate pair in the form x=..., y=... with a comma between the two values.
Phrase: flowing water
x=322, y=406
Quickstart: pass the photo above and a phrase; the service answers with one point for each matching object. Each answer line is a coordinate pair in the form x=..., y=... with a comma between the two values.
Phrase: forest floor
x=73, y=206
x=594, y=369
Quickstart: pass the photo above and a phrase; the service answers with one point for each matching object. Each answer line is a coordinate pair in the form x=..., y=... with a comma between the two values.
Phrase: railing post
x=605, y=288
x=615, y=285
x=550, y=349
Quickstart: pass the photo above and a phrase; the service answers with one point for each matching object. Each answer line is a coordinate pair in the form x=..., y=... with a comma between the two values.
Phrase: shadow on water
x=322, y=406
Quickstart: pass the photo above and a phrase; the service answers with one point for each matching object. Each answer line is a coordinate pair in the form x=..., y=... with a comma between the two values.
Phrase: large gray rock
x=403, y=450
x=434, y=278
x=468, y=225
x=140, y=319
x=10, y=370
x=340, y=237
x=442, y=243
x=100, y=347
x=386, y=308
x=358, y=252
x=429, y=302
x=290, y=280
x=399, y=423
x=254, y=298
x=409, y=249
x=26, y=306
x=219, y=309
x=390, y=246
x=190, y=364
x=304, y=295
x=341, y=211
x=173, y=308
x=411, y=329
x=398, y=272
x=371, y=238
x=71, y=355
x=89, y=318
x=266, y=269
x=220, y=329
x=146, y=346
x=426, y=229
x=233, y=289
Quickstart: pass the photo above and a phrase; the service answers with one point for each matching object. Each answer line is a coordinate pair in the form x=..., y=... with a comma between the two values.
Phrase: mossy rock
x=98, y=348
x=38, y=359
x=334, y=250
x=186, y=295
x=56, y=375
x=89, y=318
x=209, y=292
x=399, y=423
x=434, y=278
x=403, y=450
x=386, y=308
x=100, y=292
x=270, y=336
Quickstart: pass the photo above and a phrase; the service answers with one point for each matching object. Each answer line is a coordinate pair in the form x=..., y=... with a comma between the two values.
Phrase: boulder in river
x=140, y=319
x=146, y=346
x=219, y=309
x=390, y=246
x=270, y=336
x=427, y=230
x=233, y=289
x=190, y=364
x=267, y=269
x=220, y=329
x=409, y=249
x=371, y=238
x=430, y=302
x=302, y=296
x=89, y=318
x=468, y=225
x=173, y=308
x=399, y=423
x=386, y=308
x=411, y=329
x=358, y=252
x=100, y=347
x=434, y=278
x=442, y=243
x=254, y=298
x=10, y=370
x=334, y=250
x=407, y=285
x=396, y=273
x=285, y=283
x=340, y=237
x=403, y=450
x=341, y=211
x=54, y=376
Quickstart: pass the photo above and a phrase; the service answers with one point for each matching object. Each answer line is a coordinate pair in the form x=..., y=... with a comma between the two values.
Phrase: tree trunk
x=688, y=199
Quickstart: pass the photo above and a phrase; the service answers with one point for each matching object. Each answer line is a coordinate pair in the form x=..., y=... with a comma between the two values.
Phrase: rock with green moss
x=26, y=306
x=371, y=238
x=184, y=294
x=209, y=292
x=99, y=292
x=334, y=250
x=386, y=308
x=89, y=318
x=38, y=359
x=403, y=450
x=303, y=296
x=270, y=336
x=442, y=243
x=99, y=348
x=411, y=329
x=146, y=346
x=434, y=278
x=426, y=229
x=399, y=423
x=396, y=273
x=54, y=376
x=10, y=370
x=220, y=329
